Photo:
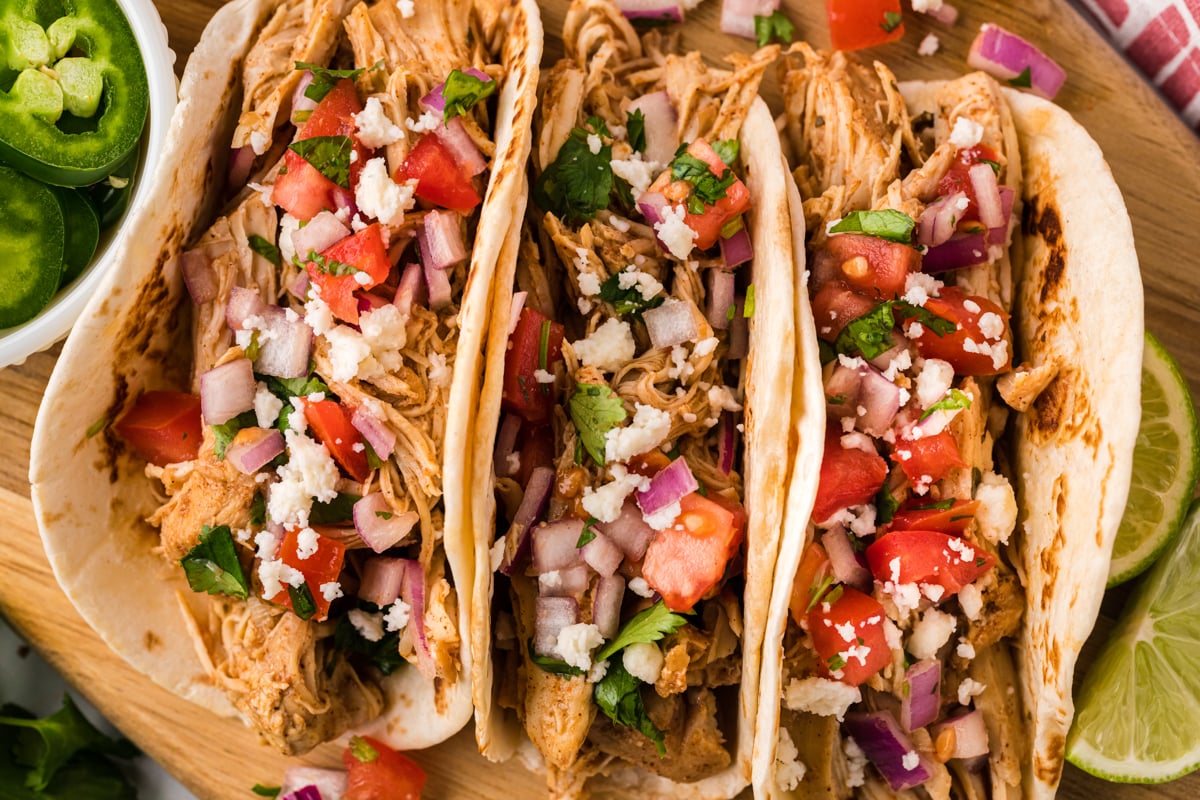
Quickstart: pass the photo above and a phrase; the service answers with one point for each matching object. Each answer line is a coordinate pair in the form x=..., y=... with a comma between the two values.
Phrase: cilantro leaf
x=285, y=388
x=266, y=791
x=362, y=750
x=331, y=266
x=579, y=182
x=462, y=91
x=886, y=505
x=956, y=399
x=995, y=165
x=1022, y=81
x=339, y=509
x=212, y=565
x=727, y=151
x=748, y=306
x=891, y=21
x=258, y=509
x=265, y=249
x=889, y=224
x=384, y=655
x=595, y=410
x=329, y=155
x=776, y=26
x=648, y=626
x=303, y=604
x=587, y=534
x=635, y=126
x=939, y=325
x=941, y=505
x=555, y=666
x=619, y=696
x=825, y=352
x=626, y=301
x=325, y=79
x=870, y=334
x=223, y=434
x=707, y=188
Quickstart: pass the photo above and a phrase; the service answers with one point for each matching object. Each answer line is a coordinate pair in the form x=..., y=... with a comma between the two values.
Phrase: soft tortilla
x=91, y=496
x=1073, y=451
x=770, y=368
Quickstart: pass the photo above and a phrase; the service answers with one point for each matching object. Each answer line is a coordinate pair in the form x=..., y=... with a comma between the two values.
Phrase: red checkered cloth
x=1162, y=37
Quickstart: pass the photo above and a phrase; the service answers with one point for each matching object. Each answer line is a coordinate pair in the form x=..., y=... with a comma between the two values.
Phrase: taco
x=638, y=457
x=306, y=411
x=972, y=403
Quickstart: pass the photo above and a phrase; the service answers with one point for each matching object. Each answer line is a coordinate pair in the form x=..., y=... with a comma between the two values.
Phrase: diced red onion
x=284, y=349
x=945, y=14
x=922, y=695
x=672, y=483
x=369, y=301
x=412, y=589
x=1006, y=55
x=343, y=200
x=937, y=221
x=302, y=104
x=379, y=525
x=514, y=310
x=603, y=555
x=739, y=332
x=721, y=297
x=970, y=734
x=657, y=10
x=628, y=531
x=737, y=249
x=879, y=736
x=381, y=438
x=737, y=16
x=440, y=240
x=322, y=232
x=961, y=250
x=606, y=605
x=241, y=161
x=298, y=288
x=409, y=290
x=466, y=154
x=844, y=561
x=436, y=101
x=299, y=783
x=999, y=234
x=506, y=446
x=884, y=360
x=243, y=303
x=987, y=194
x=660, y=117
x=850, y=389
x=565, y=582
x=651, y=205
x=254, y=448
x=517, y=541
x=554, y=545
x=227, y=390
x=670, y=324
x=726, y=442
x=198, y=275
x=551, y=615
x=438, y=283
x=382, y=578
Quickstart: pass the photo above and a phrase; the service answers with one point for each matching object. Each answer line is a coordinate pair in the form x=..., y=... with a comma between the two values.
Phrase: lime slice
x=1165, y=463
x=1138, y=713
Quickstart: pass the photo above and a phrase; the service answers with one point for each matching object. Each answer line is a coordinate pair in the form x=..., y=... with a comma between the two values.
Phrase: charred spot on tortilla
x=1050, y=409
x=1041, y=219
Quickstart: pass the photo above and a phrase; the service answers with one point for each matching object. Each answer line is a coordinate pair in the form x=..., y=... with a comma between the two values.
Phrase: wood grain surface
x=1155, y=158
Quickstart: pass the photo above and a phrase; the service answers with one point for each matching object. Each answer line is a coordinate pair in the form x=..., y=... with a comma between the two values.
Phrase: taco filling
x=898, y=656
x=307, y=510
x=619, y=458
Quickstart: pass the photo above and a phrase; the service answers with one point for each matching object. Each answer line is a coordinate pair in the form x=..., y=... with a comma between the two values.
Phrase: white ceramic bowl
x=55, y=321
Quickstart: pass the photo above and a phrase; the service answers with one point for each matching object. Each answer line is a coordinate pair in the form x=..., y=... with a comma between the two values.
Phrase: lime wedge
x=1138, y=713
x=1165, y=463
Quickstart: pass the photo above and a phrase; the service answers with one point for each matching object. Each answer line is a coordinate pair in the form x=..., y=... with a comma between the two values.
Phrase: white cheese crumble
x=368, y=625
x=576, y=643
x=605, y=502
x=347, y=349
x=991, y=325
x=307, y=544
x=331, y=591
x=637, y=173
x=266, y=406
x=649, y=427
x=971, y=601
x=821, y=696
x=429, y=121
x=594, y=143
x=397, y=616
x=440, y=373
x=969, y=688
x=910, y=760
x=929, y=45
x=675, y=234
x=856, y=763
x=275, y=574
x=608, y=348
x=647, y=285
x=934, y=381
x=639, y=587
x=965, y=649
x=997, y=514
x=643, y=661
x=318, y=316
x=373, y=127
x=860, y=520
x=663, y=518
x=266, y=545
x=721, y=399
x=589, y=284
x=381, y=197
x=309, y=473
x=789, y=769
x=931, y=632
x=542, y=376
x=407, y=8
x=597, y=672
x=705, y=347
x=383, y=329
x=966, y=133
x=926, y=6
x=259, y=142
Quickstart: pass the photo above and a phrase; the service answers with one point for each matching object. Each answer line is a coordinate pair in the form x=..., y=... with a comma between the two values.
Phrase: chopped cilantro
x=635, y=125
x=731, y=312
x=891, y=21
x=212, y=566
x=748, y=308
x=776, y=26
x=626, y=301
x=579, y=182
x=955, y=399
x=331, y=266
x=223, y=434
x=941, y=505
x=265, y=249
x=339, y=509
x=595, y=410
x=939, y=325
x=555, y=666
x=886, y=505
x=995, y=165
x=619, y=696
x=648, y=626
x=373, y=459
x=362, y=750
x=251, y=351
x=825, y=352
x=817, y=591
x=303, y=604
x=96, y=427
x=384, y=654
x=286, y=388
x=587, y=534
x=325, y=79
x=870, y=334
x=889, y=224
x=462, y=91
x=544, y=345
x=707, y=188
x=266, y=791
x=329, y=155
x=258, y=509
x=384, y=514
x=1024, y=80
x=727, y=151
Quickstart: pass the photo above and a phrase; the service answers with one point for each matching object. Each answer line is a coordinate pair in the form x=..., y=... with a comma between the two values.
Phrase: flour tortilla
x=1077, y=300
x=769, y=382
x=91, y=496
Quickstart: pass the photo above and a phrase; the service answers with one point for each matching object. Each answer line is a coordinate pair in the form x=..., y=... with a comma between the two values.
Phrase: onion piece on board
x=1006, y=56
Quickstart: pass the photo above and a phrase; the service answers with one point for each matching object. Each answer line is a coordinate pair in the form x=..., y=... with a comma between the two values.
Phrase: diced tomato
x=836, y=305
x=707, y=225
x=302, y=190
x=865, y=651
x=330, y=423
x=812, y=576
x=687, y=559
x=522, y=393
x=855, y=24
x=321, y=567
x=929, y=557
x=929, y=459
x=876, y=267
x=377, y=772
x=365, y=252
x=953, y=520
x=957, y=179
x=440, y=179
x=960, y=346
x=162, y=427
x=849, y=477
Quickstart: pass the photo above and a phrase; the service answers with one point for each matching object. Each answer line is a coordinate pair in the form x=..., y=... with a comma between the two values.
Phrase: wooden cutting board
x=1155, y=158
